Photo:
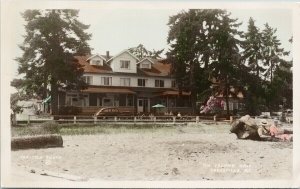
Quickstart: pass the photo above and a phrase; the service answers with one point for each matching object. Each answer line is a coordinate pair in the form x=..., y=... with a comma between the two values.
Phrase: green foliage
x=208, y=44
x=252, y=46
x=141, y=52
x=52, y=39
x=272, y=53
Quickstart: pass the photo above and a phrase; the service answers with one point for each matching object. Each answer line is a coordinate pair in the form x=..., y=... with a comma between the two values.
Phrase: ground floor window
x=129, y=100
x=107, y=102
x=74, y=99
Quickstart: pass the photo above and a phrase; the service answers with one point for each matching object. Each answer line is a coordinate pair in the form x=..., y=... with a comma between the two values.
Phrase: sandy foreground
x=202, y=152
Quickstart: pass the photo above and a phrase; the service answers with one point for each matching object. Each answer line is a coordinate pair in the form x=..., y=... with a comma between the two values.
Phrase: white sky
x=117, y=29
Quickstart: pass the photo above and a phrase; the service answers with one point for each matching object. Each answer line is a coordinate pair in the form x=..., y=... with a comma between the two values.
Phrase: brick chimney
x=107, y=54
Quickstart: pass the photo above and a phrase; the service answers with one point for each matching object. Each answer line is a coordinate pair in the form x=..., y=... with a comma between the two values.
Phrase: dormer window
x=145, y=65
x=96, y=62
x=125, y=64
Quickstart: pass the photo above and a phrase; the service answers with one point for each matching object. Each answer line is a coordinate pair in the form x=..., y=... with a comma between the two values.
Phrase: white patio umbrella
x=159, y=107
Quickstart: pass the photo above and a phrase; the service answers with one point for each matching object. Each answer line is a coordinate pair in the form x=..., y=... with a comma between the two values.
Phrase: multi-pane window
x=129, y=101
x=80, y=100
x=125, y=81
x=141, y=82
x=145, y=65
x=125, y=64
x=105, y=80
x=96, y=62
x=159, y=83
x=88, y=80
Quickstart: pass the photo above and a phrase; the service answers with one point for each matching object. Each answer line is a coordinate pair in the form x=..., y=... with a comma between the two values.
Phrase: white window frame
x=103, y=81
x=82, y=99
x=145, y=65
x=88, y=79
x=96, y=62
x=161, y=83
x=123, y=64
x=123, y=82
x=145, y=82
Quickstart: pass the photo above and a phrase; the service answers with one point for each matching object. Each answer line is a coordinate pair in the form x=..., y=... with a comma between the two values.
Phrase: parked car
x=111, y=112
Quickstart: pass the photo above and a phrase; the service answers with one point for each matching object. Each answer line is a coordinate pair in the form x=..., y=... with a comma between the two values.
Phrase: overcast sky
x=117, y=29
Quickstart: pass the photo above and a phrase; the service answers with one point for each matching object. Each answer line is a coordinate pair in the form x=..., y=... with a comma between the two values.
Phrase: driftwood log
x=38, y=141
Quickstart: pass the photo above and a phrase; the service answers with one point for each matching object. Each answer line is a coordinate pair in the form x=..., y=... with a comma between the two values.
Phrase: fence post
x=115, y=119
x=174, y=119
x=75, y=119
x=134, y=119
x=197, y=119
x=231, y=119
x=28, y=120
x=154, y=119
x=95, y=119
x=215, y=118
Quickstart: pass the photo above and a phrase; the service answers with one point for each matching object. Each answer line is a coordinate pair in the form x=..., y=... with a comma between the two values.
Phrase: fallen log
x=38, y=141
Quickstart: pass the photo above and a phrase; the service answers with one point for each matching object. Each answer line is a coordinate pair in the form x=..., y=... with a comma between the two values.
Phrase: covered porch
x=92, y=99
x=174, y=102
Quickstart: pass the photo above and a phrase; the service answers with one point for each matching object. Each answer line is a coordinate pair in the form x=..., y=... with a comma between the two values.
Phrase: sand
x=198, y=152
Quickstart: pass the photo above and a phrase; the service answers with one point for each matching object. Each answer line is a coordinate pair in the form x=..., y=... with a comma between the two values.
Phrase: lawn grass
x=92, y=129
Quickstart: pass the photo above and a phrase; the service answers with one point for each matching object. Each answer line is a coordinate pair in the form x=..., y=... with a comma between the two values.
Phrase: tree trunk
x=192, y=87
x=257, y=69
x=226, y=97
x=13, y=119
x=193, y=101
x=271, y=71
x=54, y=97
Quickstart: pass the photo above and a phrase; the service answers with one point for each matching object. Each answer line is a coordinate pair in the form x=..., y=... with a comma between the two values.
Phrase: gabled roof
x=147, y=58
x=159, y=68
x=82, y=60
x=96, y=56
x=122, y=53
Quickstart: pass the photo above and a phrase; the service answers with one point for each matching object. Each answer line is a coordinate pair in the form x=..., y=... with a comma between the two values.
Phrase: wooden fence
x=120, y=119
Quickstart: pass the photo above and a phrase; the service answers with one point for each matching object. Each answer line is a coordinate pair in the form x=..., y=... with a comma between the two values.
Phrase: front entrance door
x=140, y=105
x=143, y=105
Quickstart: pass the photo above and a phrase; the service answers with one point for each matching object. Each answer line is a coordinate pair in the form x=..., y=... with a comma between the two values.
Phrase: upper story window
x=125, y=81
x=125, y=64
x=88, y=80
x=173, y=84
x=142, y=82
x=159, y=83
x=96, y=62
x=106, y=80
x=145, y=65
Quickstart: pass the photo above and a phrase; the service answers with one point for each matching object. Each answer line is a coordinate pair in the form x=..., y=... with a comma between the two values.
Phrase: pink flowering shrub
x=213, y=105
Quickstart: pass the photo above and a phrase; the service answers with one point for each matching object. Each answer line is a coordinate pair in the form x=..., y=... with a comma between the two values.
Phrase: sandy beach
x=195, y=152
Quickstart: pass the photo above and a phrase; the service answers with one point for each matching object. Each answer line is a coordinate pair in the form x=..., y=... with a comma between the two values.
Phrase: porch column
x=167, y=103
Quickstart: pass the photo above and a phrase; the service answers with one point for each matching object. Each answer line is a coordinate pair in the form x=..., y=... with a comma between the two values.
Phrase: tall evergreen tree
x=272, y=52
x=52, y=39
x=191, y=38
x=253, y=48
x=226, y=67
